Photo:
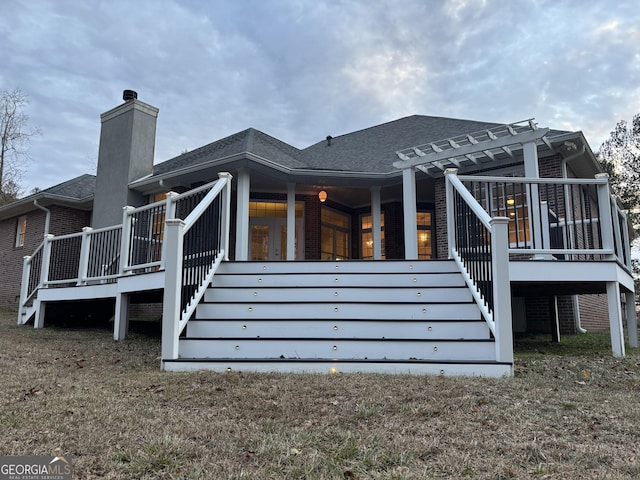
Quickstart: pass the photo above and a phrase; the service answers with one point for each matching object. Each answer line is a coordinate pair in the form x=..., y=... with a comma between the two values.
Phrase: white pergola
x=471, y=149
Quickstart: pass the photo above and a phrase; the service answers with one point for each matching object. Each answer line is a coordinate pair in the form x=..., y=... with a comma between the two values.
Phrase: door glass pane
x=259, y=242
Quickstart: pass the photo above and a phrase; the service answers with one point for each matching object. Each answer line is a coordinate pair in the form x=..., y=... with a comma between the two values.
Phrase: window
x=21, y=231
x=510, y=200
x=335, y=235
x=366, y=236
x=425, y=235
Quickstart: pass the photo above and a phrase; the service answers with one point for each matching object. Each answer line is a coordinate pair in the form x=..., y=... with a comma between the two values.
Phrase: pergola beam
x=472, y=148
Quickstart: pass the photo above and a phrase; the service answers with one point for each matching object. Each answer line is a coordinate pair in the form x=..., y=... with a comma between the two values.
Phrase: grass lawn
x=571, y=412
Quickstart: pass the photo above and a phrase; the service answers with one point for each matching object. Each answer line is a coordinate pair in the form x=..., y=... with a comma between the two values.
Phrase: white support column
x=451, y=221
x=376, y=227
x=531, y=170
x=291, y=222
x=632, y=320
x=530, y=152
x=242, y=215
x=501, y=289
x=121, y=320
x=225, y=221
x=172, y=286
x=410, y=213
x=39, y=307
x=85, y=248
x=615, y=319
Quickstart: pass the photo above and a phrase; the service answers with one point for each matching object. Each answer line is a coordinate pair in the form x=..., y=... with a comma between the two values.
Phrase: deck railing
x=98, y=256
x=195, y=247
x=564, y=219
x=478, y=244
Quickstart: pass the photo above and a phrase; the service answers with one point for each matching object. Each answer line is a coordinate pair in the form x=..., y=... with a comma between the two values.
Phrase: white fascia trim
x=149, y=179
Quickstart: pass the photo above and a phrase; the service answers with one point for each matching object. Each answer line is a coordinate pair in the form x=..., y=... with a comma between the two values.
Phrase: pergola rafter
x=435, y=157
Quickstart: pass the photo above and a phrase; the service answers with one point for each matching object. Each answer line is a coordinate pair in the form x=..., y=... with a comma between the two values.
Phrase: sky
x=300, y=70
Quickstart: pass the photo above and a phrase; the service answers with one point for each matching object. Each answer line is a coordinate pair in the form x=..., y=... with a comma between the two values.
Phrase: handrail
x=195, y=247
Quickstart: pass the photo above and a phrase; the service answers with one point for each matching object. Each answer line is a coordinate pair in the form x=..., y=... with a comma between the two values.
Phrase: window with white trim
x=21, y=231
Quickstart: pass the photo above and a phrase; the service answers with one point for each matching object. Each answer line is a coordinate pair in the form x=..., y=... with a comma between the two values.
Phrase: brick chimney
x=127, y=140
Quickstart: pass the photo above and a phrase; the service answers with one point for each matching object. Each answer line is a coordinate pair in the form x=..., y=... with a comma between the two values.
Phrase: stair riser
x=409, y=368
x=420, y=280
x=337, y=349
x=338, y=329
x=316, y=267
x=336, y=311
x=302, y=294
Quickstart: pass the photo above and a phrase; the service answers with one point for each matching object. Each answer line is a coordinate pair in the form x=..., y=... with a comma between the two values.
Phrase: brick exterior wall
x=63, y=221
x=442, y=246
x=594, y=313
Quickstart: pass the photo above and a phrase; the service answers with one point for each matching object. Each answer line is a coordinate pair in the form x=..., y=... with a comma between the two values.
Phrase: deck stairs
x=414, y=317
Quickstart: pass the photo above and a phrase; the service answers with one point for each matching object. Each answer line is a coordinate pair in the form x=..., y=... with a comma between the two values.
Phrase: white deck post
x=46, y=260
x=410, y=213
x=291, y=222
x=85, y=248
x=171, y=306
x=376, y=227
x=170, y=212
x=121, y=320
x=451, y=221
x=24, y=288
x=615, y=319
x=126, y=238
x=632, y=321
x=605, y=214
x=501, y=289
x=225, y=206
x=242, y=216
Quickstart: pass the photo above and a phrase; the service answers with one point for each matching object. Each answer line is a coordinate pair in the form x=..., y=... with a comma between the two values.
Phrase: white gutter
x=47, y=219
x=574, y=298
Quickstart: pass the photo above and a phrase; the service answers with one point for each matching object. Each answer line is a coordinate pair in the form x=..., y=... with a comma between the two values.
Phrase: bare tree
x=14, y=141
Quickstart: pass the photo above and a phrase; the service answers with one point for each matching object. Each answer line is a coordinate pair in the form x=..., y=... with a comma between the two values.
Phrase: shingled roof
x=369, y=150
x=373, y=149
x=250, y=141
x=78, y=188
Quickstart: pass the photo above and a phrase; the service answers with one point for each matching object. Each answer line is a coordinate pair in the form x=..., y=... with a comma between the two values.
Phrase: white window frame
x=21, y=231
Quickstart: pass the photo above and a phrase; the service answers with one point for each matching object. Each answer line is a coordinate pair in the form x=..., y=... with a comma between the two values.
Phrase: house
x=419, y=245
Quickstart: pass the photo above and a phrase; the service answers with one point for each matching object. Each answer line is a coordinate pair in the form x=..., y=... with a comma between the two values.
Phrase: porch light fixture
x=322, y=195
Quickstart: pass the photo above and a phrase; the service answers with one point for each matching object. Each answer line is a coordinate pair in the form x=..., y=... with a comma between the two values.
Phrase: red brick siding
x=63, y=220
x=594, y=313
x=440, y=214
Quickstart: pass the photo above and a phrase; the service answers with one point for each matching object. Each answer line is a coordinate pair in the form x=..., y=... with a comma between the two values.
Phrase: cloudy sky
x=303, y=69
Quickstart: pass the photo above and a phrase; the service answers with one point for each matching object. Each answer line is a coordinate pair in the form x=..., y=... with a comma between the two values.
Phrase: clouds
x=300, y=70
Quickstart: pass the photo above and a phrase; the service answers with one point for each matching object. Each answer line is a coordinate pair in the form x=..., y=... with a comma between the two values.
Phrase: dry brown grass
x=565, y=415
